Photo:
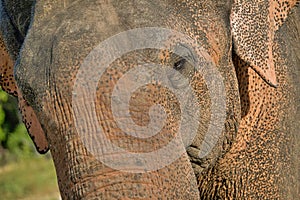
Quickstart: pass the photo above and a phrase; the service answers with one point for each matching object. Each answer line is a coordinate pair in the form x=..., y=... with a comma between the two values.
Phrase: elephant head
x=154, y=99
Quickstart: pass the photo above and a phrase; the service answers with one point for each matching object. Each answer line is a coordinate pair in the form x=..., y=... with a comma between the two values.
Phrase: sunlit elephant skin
x=262, y=162
x=255, y=155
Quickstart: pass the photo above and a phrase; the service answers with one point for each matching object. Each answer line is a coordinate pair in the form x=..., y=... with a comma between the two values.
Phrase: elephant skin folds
x=252, y=48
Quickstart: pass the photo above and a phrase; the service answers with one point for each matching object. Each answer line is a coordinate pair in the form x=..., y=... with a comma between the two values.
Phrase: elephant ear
x=8, y=84
x=7, y=81
x=33, y=126
x=253, y=26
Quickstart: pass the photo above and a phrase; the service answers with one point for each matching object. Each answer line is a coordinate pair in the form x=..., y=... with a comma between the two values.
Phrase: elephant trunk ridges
x=82, y=176
x=67, y=38
x=245, y=163
x=262, y=163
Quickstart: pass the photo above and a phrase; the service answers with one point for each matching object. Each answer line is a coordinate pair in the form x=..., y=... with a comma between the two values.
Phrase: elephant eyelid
x=185, y=54
x=179, y=64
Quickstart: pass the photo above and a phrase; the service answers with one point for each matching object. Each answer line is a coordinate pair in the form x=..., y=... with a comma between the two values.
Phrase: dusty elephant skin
x=254, y=46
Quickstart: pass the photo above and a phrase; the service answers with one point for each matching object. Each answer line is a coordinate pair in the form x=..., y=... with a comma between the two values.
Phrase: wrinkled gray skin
x=15, y=20
x=61, y=35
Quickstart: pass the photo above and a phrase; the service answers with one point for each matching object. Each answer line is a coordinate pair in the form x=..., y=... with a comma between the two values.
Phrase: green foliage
x=32, y=178
x=23, y=173
x=19, y=143
x=3, y=99
x=14, y=139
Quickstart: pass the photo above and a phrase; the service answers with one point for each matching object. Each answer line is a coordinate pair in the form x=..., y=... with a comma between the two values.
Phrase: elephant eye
x=183, y=61
x=182, y=55
x=179, y=64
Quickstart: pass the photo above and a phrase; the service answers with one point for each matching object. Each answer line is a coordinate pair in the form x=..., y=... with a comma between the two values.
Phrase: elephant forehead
x=60, y=40
x=68, y=37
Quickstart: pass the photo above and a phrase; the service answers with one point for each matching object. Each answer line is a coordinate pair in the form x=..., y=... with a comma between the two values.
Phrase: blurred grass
x=24, y=174
x=29, y=178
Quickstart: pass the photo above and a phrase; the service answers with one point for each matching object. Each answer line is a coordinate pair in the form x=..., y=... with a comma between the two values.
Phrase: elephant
x=224, y=73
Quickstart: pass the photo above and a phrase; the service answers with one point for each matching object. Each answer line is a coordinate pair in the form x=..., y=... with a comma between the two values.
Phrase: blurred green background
x=24, y=174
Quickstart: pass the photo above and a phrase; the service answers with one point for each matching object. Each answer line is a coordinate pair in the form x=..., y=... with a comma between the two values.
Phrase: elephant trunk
x=114, y=165
x=105, y=144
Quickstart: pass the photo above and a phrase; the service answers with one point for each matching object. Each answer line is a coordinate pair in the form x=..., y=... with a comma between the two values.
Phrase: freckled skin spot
x=7, y=81
x=8, y=84
x=248, y=161
x=253, y=27
x=255, y=166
